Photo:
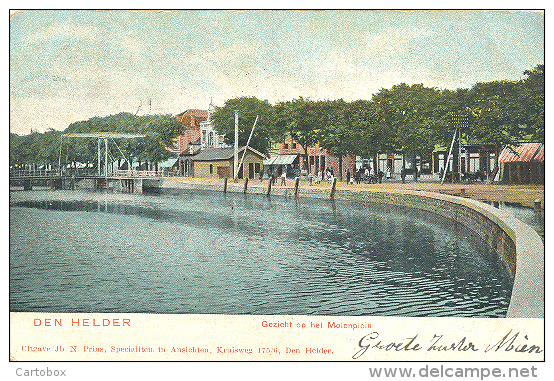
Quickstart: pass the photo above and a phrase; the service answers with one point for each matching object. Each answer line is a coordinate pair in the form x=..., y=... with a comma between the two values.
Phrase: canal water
x=194, y=252
x=532, y=217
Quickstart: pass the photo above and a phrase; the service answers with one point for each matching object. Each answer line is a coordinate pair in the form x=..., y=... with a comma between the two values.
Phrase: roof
x=524, y=152
x=195, y=112
x=280, y=160
x=211, y=154
x=187, y=117
x=539, y=156
x=168, y=163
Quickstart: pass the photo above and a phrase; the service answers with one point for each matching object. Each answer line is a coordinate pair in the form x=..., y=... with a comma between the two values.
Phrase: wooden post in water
x=225, y=185
x=296, y=183
x=269, y=187
x=245, y=185
x=333, y=188
x=27, y=184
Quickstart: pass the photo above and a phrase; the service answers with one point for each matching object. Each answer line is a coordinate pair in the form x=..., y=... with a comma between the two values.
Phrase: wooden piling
x=333, y=188
x=27, y=185
x=269, y=187
x=245, y=185
x=296, y=183
x=225, y=185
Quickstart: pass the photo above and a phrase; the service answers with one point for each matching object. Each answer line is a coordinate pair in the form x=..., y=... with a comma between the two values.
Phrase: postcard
x=223, y=185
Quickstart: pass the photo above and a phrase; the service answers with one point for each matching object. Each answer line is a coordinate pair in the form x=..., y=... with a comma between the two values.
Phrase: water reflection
x=201, y=252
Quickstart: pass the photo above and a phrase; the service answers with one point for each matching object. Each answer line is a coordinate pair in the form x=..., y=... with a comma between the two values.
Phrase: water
x=199, y=253
x=530, y=216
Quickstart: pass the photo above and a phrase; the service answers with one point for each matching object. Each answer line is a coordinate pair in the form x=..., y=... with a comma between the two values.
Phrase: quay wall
x=518, y=245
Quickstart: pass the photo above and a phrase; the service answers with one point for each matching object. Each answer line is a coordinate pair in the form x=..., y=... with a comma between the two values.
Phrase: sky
x=68, y=66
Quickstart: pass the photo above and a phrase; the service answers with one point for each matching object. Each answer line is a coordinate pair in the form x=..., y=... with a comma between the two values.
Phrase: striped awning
x=280, y=160
x=523, y=153
x=540, y=154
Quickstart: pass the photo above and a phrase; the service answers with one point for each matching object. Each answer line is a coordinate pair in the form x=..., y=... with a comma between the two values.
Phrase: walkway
x=524, y=194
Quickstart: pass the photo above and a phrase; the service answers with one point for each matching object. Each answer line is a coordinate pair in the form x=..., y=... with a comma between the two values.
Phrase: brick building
x=190, y=127
x=318, y=159
x=197, y=133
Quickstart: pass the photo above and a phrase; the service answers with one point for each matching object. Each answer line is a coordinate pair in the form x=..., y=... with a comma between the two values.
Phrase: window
x=285, y=146
x=211, y=169
x=293, y=145
x=311, y=160
x=257, y=167
x=211, y=139
x=322, y=162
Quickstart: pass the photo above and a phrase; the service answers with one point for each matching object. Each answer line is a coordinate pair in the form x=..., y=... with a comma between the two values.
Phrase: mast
x=236, y=156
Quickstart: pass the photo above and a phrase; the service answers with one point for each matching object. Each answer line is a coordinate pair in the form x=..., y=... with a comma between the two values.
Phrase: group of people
x=273, y=176
x=363, y=174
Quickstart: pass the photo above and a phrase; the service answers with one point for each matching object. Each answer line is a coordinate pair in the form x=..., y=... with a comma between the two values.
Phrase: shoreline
x=522, y=194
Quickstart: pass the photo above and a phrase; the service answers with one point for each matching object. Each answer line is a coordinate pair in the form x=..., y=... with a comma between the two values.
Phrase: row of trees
x=405, y=119
x=51, y=147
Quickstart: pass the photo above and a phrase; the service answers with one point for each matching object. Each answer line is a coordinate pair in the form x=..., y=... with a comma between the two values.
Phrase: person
x=348, y=176
x=403, y=175
x=388, y=173
x=380, y=176
x=284, y=177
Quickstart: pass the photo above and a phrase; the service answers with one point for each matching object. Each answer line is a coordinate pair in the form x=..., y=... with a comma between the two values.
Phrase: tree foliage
x=51, y=147
x=248, y=108
x=407, y=119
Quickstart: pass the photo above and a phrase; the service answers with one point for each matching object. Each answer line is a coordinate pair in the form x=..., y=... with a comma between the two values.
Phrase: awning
x=280, y=160
x=523, y=153
x=168, y=163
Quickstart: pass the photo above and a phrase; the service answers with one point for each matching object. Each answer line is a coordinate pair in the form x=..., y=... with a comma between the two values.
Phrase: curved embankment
x=517, y=244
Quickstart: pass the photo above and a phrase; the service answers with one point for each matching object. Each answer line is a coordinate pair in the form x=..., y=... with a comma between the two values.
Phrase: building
x=473, y=159
x=218, y=163
x=197, y=133
x=522, y=164
x=190, y=127
x=291, y=158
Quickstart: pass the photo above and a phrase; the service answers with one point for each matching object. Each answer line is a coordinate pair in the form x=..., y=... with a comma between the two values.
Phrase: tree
x=338, y=136
x=301, y=118
x=159, y=130
x=248, y=108
x=371, y=134
x=495, y=112
x=409, y=114
x=531, y=102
